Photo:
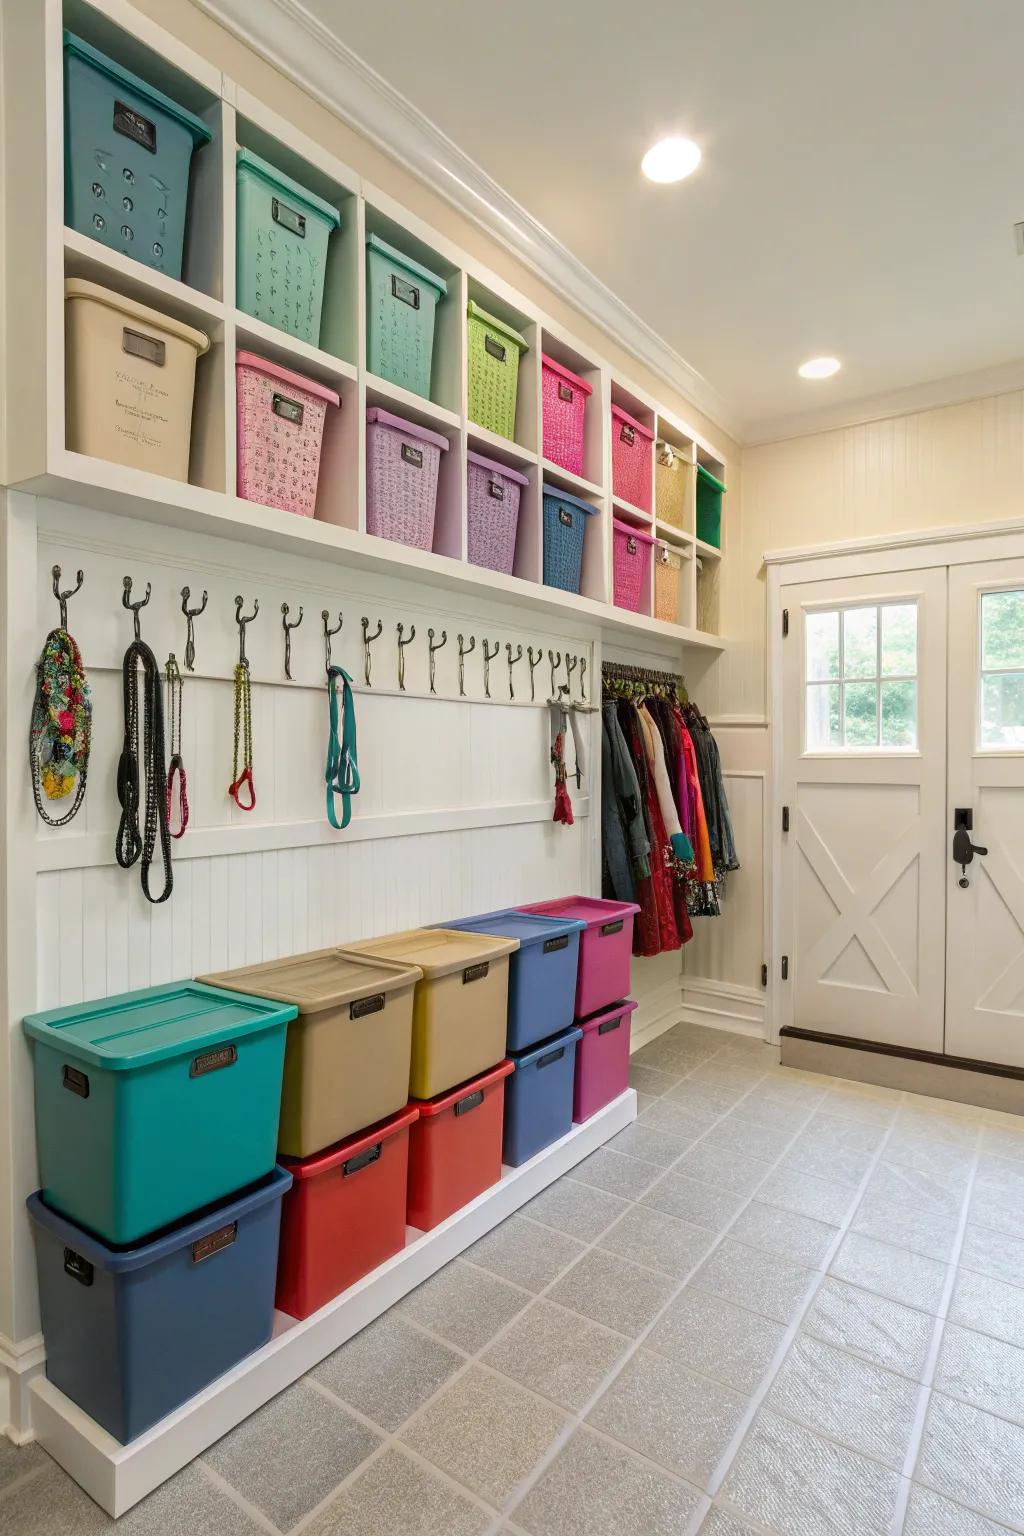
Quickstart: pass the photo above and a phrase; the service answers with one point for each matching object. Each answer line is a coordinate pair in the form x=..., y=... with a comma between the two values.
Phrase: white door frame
x=964, y=544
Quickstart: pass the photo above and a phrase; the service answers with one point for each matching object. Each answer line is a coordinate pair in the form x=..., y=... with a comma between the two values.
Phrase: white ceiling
x=862, y=170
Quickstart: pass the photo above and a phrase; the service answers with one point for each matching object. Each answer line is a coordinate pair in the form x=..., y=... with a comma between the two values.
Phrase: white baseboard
x=724, y=1005
x=19, y=1365
x=658, y=1009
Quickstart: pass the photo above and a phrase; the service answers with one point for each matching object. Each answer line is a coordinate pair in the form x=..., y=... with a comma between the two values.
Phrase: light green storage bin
x=283, y=232
x=494, y=353
x=401, y=298
x=710, y=491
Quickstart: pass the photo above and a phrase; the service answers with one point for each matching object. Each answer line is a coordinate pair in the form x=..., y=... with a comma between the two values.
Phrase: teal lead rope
x=342, y=771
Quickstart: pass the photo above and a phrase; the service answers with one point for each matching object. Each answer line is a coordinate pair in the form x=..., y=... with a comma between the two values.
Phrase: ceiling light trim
x=285, y=34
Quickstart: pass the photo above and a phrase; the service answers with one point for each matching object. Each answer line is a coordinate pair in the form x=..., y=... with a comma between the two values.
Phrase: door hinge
x=785, y=967
x=785, y=818
x=764, y=975
x=785, y=622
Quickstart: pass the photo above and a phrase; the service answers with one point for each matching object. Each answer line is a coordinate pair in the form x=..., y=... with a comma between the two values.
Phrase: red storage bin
x=344, y=1214
x=455, y=1147
x=602, y=1060
x=632, y=459
x=564, y=399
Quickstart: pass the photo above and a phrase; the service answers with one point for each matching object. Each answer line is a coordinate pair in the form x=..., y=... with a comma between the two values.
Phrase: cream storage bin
x=129, y=380
x=460, y=1013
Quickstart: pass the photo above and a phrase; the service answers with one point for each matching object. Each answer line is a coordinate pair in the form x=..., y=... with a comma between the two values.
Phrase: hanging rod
x=622, y=670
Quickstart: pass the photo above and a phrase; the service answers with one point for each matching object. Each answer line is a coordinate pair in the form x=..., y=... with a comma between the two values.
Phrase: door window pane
x=899, y=639
x=822, y=645
x=823, y=727
x=861, y=677
x=1002, y=630
x=860, y=642
x=860, y=715
x=1002, y=710
x=899, y=713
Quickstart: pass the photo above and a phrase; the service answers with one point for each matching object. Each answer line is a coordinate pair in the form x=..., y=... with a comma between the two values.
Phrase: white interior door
x=985, y=964
x=864, y=862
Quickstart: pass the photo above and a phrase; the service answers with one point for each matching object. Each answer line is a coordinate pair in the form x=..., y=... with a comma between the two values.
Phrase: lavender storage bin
x=494, y=492
x=280, y=432
x=402, y=461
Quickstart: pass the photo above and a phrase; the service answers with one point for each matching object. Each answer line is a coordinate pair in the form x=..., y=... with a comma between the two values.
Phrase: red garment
x=662, y=880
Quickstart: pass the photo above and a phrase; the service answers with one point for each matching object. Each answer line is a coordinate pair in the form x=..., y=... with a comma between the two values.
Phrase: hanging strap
x=176, y=767
x=342, y=771
x=60, y=733
x=242, y=762
x=131, y=842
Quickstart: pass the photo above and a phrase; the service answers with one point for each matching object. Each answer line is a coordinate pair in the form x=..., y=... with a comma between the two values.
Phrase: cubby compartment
x=561, y=352
x=494, y=330
x=633, y=423
x=674, y=477
x=411, y=290
x=708, y=589
x=449, y=508
x=710, y=499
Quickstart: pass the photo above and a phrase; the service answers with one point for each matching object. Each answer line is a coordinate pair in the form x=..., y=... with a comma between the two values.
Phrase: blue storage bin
x=154, y=1103
x=131, y=1334
x=542, y=972
x=127, y=153
x=565, y=526
x=538, y=1097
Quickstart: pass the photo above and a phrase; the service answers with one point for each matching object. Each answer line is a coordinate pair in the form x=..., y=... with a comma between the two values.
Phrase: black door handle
x=963, y=849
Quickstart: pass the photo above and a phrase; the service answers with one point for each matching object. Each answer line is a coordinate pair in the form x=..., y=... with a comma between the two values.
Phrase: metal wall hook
x=329, y=633
x=368, y=640
x=242, y=620
x=190, y=615
x=401, y=652
x=488, y=658
x=571, y=663
x=555, y=661
x=534, y=662
x=133, y=608
x=464, y=651
x=583, y=679
x=62, y=597
x=511, y=663
x=288, y=639
x=432, y=648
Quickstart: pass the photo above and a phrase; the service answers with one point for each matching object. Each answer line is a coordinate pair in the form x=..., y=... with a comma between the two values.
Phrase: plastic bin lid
x=705, y=474
x=494, y=468
x=409, y=428
x=285, y=376
x=428, y=1107
x=630, y=531
x=574, y=501
x=592, y=910
x=118, y=1261
x=528, y=927
x=246, y=160
x=618, y=1011
x=437, y=951
x=566, y=373
x=81, y=288
x=631, y=421
x=474, y=312
x=333, y=1157
x=325, y=978
x=136, y=1029
x=124, y=77
x=375, y=243
x=522, y=1059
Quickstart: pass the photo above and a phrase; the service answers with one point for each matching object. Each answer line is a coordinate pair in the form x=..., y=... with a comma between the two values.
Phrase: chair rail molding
x=285, y=34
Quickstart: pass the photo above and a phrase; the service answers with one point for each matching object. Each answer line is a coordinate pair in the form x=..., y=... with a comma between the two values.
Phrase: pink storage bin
x=632, y=459
x=402, y=461
x=564, y=401
x=631, y=565
x=494, y=492
x=280, y=429
x=606, y=947
x=602, y=1060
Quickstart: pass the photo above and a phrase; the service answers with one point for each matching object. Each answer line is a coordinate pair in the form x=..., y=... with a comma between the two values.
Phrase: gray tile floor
x=778, y=1304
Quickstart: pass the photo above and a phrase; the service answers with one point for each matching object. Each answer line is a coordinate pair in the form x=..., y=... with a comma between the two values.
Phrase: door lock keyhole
x=963, y=849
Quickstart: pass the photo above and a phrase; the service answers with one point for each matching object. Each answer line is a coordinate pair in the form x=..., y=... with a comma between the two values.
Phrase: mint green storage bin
x=283, y=234
x=154, y=1104
x=710, y=491
x=494, y=351
x=401, y=300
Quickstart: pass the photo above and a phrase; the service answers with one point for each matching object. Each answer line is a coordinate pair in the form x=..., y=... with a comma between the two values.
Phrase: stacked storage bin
x=158, y=1218
x=284, y=231
x=494, y=350
x=564, y=402
x=344, y=1132
x=403, y=461
x=280, y=428
x=402, y=296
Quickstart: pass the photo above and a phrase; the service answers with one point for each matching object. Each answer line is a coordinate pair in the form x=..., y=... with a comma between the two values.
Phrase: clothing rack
x=622, y=672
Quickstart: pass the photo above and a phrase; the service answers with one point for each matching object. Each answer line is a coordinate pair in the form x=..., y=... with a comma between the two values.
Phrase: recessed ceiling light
x=670, y=160
x=819, y=368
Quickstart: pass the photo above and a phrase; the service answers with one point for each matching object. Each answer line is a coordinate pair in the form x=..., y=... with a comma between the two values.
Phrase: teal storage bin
x=127, y=154
x=401, y=298
x=281, y=257
x=710, y=491
x=152, y=1104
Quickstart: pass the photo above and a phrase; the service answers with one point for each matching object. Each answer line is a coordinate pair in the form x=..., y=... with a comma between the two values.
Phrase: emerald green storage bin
x=281, y=262
x=401, y=300
x=153, y=1104
x=494, y=353
x=709, y=507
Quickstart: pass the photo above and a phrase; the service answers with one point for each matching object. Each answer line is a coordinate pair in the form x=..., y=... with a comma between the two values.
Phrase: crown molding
x=285, y=34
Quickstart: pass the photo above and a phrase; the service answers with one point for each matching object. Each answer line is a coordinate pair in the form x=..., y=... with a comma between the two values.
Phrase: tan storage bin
x=461, y=1011
x=129, y=380
x=346, y=1062
x=671, y=488
x=668, y=564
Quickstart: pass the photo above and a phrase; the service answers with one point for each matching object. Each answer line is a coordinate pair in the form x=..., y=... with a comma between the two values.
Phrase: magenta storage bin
x=494, y=492
x=632, y=460
x=631, y=565
x=564, y=402
x=402, y=461
x=280, y=431
x=606, y=946
x=602, y=1060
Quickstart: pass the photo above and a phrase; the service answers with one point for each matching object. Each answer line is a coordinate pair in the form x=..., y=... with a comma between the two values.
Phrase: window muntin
x=860, y=677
